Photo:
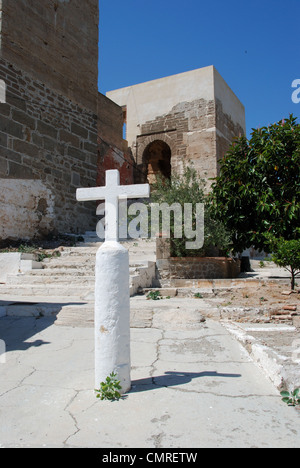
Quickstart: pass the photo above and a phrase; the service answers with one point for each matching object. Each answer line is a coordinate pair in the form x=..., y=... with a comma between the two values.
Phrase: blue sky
x=254, y=44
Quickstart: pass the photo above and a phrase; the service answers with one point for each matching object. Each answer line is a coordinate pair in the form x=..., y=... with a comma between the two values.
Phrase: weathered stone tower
x=48, y=125
x=190, y=117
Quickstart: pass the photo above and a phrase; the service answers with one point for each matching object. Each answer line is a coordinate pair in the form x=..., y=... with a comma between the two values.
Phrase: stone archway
x=157, y=160
x=167, y=149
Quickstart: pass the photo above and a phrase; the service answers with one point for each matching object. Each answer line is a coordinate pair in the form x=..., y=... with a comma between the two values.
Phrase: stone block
x=68, y=137
x=76, y=153
x=18, y=171
x=296, y=321
x=10, y=127
x=23, y=118
x=21, y=146
x=3, y=139
x=79, y=130
x=46, y=129
x=3, y=166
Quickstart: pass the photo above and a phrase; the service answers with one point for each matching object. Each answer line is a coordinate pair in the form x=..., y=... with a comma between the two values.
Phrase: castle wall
x=195, y=113
x=113, y=152
x=48, y=125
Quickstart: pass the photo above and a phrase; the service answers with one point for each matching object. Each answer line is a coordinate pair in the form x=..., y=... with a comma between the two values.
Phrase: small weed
x=198, y=296
x=23, y=248
x=261, y=264
x=291, y=399
x=43, y=255
x=263, y=299
x=154, y=296
x=109, y=390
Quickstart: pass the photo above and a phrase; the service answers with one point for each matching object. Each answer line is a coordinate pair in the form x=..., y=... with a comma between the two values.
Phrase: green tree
x=286, y=254
x=189, y=188
x=258, y=188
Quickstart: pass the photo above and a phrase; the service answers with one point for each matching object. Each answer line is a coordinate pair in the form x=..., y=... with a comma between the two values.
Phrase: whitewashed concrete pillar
x=112, y=314
x=112, y=293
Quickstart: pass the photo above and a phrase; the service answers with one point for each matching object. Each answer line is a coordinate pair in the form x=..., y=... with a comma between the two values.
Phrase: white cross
x=112, y=193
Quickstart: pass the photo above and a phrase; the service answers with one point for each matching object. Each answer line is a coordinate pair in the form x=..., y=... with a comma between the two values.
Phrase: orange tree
x=258, y=188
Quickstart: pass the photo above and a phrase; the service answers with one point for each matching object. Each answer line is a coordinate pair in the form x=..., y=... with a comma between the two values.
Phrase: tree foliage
x=258, y=189
x=184, y=189
x=286, y=254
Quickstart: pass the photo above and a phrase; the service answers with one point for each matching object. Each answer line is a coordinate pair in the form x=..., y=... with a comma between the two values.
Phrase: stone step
x=82, y=287
x=46, y=290
x=64, y=275
x=81, y=292
x=77, y=316
x=72, y=262
x=49, y=272
x=50, y=279
x=90, y=251
x=70, y=272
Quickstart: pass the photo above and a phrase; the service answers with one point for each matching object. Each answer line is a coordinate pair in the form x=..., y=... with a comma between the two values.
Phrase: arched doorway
x=157, y=159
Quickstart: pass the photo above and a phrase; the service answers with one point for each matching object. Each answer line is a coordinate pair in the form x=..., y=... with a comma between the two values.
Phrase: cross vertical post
x=112, y=294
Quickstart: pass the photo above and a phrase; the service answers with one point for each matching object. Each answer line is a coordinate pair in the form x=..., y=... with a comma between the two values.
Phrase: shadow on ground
x=172, y=379
x=15, y=330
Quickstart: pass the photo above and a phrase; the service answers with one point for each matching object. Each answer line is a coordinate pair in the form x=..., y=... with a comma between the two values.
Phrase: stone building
x=58, y=133
x=190, y=117
x=48, y=125
x=113, y=151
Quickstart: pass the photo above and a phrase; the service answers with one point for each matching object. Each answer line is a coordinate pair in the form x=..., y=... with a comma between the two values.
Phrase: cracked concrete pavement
x=193, y=385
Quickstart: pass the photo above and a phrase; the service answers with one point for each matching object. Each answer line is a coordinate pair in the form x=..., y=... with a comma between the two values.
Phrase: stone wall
x=113, y=151
x=48, y=125
x=44, y=137
x=175, y=268
x=56, y=42
x=194, y=114
x=189, y=132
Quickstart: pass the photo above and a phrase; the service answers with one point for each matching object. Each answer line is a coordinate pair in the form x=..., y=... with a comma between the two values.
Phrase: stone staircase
x=68, y=281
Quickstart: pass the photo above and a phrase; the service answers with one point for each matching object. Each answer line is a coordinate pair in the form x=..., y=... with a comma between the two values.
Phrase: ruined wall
x=48, y=125
x=195, y=113
x=55, y=41
x=189, y=132
x=113, y=152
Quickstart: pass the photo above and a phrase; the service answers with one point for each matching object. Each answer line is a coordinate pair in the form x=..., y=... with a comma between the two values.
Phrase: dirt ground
x=274, y=296
x=268, y=302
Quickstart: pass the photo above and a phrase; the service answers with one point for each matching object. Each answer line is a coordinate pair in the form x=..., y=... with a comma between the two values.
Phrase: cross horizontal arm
x=121, y=191
x=90, y=194
x=134, y=191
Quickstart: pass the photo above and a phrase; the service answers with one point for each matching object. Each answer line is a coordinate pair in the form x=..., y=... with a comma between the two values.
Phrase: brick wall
x=48, y=125
x=172, y=268
x=56, y=42
x=46, y=137
x=113, y=152
x=190, y=130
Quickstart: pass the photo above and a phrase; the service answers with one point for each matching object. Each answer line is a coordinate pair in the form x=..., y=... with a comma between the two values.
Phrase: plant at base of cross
x=109, y=390
x=291, y=399
x=154, y=296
